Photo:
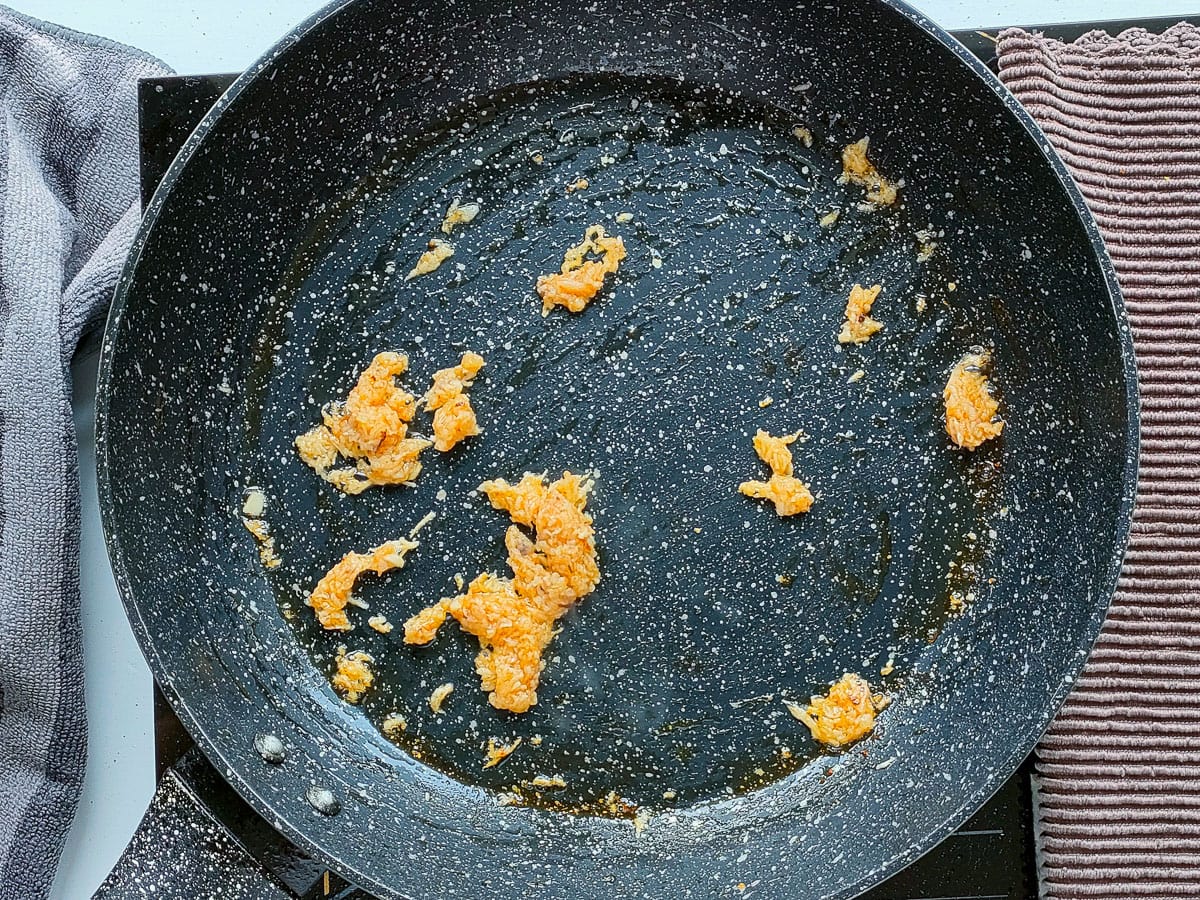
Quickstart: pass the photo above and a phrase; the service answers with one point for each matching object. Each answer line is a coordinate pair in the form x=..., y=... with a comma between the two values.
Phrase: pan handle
x=199, y=839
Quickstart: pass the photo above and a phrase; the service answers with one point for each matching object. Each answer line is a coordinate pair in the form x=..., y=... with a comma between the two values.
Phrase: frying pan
x=270, y=268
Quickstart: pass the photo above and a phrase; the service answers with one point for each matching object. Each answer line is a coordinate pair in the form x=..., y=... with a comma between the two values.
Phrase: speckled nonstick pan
x=270, y=269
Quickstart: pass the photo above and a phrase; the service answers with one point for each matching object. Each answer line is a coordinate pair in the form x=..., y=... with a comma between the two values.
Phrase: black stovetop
x=201, y=839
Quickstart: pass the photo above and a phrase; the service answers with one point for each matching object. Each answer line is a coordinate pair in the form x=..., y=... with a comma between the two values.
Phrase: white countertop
x=199, y=36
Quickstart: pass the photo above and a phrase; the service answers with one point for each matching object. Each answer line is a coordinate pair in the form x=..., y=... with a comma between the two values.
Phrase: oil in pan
x=666, y=685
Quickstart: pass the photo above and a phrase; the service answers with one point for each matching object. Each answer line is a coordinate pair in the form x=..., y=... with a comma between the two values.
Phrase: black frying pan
x=271, y=267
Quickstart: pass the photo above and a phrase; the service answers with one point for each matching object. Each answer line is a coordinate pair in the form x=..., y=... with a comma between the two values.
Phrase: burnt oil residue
x=666, y=684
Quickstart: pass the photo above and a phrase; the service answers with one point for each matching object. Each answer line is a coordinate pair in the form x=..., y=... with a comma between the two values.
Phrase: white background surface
x=197, y=36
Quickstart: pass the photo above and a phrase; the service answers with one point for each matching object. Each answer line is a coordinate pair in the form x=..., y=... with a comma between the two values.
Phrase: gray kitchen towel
x=68, y=191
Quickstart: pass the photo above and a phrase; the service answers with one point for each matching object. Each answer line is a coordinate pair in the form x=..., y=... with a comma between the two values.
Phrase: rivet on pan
x=269, y=747
x=322, y=800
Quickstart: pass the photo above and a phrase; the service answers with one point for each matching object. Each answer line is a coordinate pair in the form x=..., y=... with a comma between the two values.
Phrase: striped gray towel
x=68, y=177
x=1120, y=767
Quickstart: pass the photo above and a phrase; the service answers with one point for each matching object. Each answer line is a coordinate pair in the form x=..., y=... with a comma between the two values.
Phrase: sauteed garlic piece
x=971, y=410
x=789, y=494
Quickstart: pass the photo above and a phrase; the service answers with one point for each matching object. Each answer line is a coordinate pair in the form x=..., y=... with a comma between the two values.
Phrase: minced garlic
x=370, y=427
x=353, y=676
x=453, y=416
x=858, y=169
x=498, y=753
x=266, y=543
x=331, y=596
x=380, y=624
x=926, y=246
x=514, y=618
x=439, y=251
x=859, y=326
x=971, y=411
x=842, y=716
x=254, y=504
x=393, y=725
x=789, y=494
x=580, y=278
x=459, y=214
x=439, y=695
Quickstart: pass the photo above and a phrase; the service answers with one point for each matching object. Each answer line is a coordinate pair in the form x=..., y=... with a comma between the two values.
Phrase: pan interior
x=666, y=685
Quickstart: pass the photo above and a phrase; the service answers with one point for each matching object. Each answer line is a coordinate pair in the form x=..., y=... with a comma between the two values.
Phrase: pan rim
x=1107, y=590
x=986, y=786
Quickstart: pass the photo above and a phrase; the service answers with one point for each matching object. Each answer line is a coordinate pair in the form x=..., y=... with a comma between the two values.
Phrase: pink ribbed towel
x=1120, y=766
